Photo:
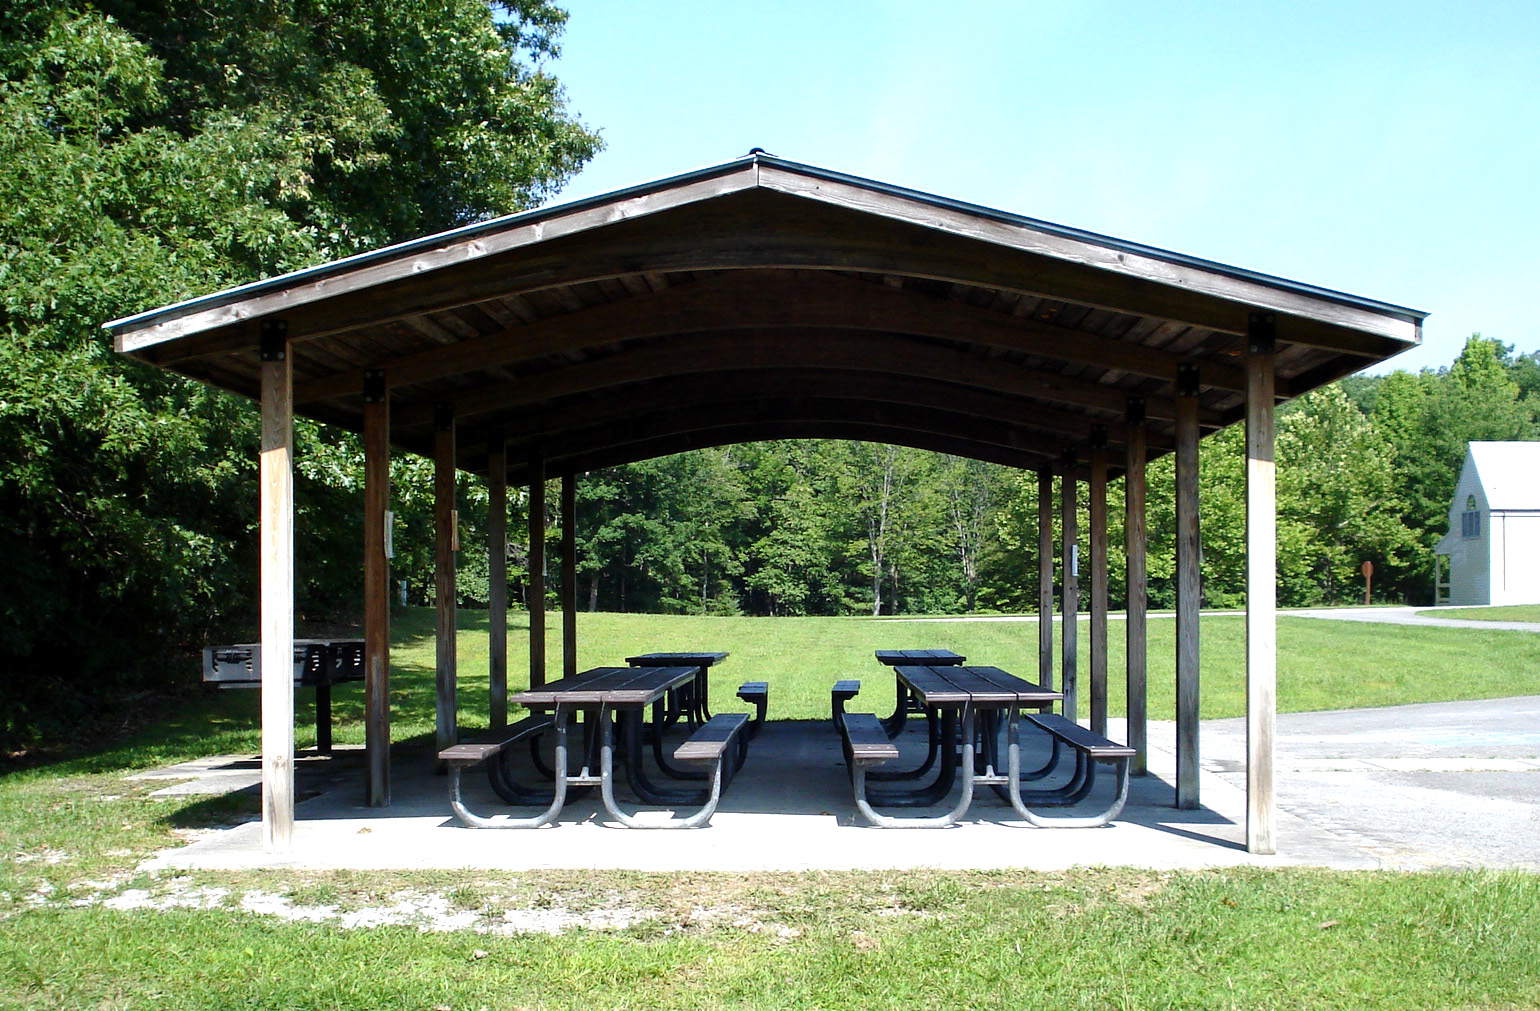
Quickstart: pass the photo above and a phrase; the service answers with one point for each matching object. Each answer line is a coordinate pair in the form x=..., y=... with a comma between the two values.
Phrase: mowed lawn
x=81, y=927
x=1321, y=664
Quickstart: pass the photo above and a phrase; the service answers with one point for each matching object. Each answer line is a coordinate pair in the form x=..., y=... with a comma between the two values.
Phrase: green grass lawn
x=73, y=830
x=1514, y=612
x=1321, y=664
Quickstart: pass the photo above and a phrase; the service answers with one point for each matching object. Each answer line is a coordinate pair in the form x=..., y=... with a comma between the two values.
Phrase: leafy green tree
x=154, y=151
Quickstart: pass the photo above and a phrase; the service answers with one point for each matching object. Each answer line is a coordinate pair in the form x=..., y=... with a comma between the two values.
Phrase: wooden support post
x=445, y=544
x=568, y=575
x=1097, y=492
x=536, y=570
x=276, y=656
x=1134, y=542
x=497, y=578
x=376, y=590
x=1261, y=586
x=1188, y=587
x=1070, y=608
x=1045, y=577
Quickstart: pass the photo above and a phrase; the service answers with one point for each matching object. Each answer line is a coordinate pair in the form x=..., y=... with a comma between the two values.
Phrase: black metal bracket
x=273, y=342
x=1135, y=413
x=1262, y=333
x=443, y=417
x=1186, y=380
x=374, y=386
x=1069, y=460
x=1098, y=436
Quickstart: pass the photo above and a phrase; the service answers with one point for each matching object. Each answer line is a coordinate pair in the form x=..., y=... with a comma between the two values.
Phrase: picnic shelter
x=762, y=299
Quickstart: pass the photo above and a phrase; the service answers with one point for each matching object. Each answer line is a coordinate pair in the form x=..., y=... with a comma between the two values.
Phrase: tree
x=150, y=152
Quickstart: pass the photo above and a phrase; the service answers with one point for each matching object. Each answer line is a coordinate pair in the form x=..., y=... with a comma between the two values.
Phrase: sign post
x=1368, y=571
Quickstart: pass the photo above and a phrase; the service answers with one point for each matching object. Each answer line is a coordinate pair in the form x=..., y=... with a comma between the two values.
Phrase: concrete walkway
x=1407, y=616
x=1413, y=787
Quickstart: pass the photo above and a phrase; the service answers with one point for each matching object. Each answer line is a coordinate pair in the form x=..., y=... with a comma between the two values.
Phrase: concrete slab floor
x=790, y=808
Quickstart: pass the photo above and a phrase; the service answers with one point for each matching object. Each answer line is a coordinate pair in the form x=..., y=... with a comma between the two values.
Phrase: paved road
x=1443, y=784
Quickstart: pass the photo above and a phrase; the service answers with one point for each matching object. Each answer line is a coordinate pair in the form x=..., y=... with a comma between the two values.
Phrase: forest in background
x=153, y=152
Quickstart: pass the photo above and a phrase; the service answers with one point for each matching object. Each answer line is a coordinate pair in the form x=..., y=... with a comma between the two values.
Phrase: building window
x=1470, y=520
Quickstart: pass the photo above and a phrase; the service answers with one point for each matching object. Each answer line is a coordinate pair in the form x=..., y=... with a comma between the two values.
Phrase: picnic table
x=903, y=703
x=613, y=702
x=688, y=701
x=318, y=664
x=973, y=705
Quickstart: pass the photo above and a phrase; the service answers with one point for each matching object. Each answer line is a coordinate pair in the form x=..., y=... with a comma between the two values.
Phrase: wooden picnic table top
x=980, y=686
x=608, y=686
x=676, y=659
x=924, y=657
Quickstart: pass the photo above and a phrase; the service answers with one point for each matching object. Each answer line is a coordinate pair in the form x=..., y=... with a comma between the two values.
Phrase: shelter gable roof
x=990, y=331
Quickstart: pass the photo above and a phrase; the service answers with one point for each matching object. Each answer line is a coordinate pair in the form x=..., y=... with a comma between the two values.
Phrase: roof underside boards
x=762, y=299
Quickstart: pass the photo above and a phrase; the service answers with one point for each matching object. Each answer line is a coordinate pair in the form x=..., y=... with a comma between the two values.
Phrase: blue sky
x=1391, y=150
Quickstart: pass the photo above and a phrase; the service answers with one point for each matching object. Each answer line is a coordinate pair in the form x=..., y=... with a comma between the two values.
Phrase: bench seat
x=1090, y=749
x=756, y=694
x=479, y=749
x=865, y=740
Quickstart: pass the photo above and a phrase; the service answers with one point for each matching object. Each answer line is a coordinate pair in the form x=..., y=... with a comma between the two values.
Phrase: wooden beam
x=619, y=404
x=1261, y=590
x=276, y=471
x=670, y=418
x=569, y=660
x=1045, y=577
x=1188, y=598
x=754, y=299
x=497, y=577
x=536, y=581
x=1069, y=532
x=809, y=350
x=1096, y=491
x=376, y=592
x=1134, y=547
x=727, y=435
x=445, y=544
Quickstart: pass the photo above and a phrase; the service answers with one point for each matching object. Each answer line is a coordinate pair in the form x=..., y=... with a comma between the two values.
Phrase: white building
x=1491, y=554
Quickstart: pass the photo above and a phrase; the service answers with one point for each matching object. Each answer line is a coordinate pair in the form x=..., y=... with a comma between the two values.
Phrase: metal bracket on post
x=273, y=344
x=374, y=386
x=1135, y=413
x=1187, y=380
x=1098, y=436
x=1262, y=333
x=1068, y=461
x=443, y=417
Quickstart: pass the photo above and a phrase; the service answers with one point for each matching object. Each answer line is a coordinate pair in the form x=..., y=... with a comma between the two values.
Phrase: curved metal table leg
x=656, y=738
x=1018, y=801
x=607, y=787
x=932, y=794
x=558, y=797
x=964, y=799
x=636, y=773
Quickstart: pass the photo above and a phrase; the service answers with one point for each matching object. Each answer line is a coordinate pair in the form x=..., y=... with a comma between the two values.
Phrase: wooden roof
x=764, y=299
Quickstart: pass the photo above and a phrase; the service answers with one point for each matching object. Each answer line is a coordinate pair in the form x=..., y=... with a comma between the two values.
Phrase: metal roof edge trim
x=1108, y=241
x=331, y=268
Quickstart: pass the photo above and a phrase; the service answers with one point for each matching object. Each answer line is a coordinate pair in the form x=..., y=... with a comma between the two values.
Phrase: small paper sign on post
x=1368, y=571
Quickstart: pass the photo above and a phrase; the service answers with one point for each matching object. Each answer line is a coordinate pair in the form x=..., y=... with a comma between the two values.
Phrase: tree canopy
x=152, y=151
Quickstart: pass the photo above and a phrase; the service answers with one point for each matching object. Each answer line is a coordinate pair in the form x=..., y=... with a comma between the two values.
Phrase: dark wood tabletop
x=676, y=659
x=980, y=686
x=609, y=686
x=925, y=657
